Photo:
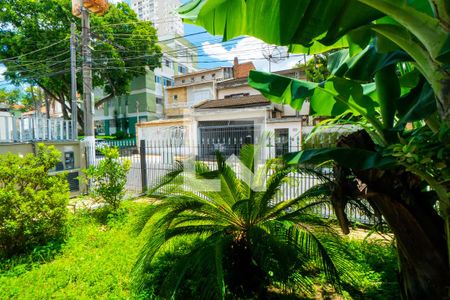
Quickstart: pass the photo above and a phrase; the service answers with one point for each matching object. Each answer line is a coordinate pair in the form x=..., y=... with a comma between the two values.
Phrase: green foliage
x=403, y=33
x=375, y=268
x=418, y=28
x=424, y=150
x=94, y=262
x=14, y=96
x=32, y=202
x=316, y=68
x=108, y=179
x=121, y=135
x=121, y=52
x=238, y=236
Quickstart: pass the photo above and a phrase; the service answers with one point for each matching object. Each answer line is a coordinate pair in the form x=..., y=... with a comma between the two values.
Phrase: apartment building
x=146, y=99
x=163, y=15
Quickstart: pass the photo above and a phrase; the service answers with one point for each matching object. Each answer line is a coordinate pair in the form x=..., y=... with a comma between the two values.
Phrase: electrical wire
x=35, y=51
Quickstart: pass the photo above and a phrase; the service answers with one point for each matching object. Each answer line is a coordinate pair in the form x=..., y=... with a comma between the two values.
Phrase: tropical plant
x=242, y=242
x=109, y=177
x=33, y=204
x=395, y=72
x=316, y=68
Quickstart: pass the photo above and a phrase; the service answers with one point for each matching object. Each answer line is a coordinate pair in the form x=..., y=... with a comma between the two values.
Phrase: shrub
x=243, y=245
x=32, y=202
x=108, y=179
x=120, y=135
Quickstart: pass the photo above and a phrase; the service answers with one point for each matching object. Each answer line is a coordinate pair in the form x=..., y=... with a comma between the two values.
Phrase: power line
x=41, y=61
x=35, y=51
x=203, y=62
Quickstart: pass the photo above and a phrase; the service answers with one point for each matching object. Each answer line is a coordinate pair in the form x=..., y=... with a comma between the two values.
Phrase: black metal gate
x=228, y=137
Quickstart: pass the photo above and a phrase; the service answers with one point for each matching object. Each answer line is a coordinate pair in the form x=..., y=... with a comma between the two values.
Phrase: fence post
x=143, y=166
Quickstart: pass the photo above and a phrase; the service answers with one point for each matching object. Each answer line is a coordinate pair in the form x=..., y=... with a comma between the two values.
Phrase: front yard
x=96, y=259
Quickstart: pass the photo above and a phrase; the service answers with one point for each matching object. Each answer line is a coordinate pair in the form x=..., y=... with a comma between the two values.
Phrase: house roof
x=237, y=102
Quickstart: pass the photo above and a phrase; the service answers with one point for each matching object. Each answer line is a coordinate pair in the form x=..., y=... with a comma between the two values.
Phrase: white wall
x=199, y=93
x=208, y=75
x=236, y=90
x=255, y=114
x=294, y=132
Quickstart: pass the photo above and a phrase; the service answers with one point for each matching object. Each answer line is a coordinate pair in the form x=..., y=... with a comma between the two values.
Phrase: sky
x=214, y=53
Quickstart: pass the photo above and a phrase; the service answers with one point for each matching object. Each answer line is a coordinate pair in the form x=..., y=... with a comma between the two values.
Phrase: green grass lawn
x=94, y=262
x=97, y=257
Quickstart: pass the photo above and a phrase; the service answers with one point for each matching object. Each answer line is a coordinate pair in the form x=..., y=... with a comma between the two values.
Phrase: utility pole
x=87, y=86
x=73, y=73
x=137, y=110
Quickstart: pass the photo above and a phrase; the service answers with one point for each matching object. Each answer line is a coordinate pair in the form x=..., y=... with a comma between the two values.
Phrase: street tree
x=35, y=48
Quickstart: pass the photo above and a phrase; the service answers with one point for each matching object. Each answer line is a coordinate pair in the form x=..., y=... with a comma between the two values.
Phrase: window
x=175, y=98
x=167, y=63
x=159, y=100
x=182, y=80
x=167, y=81
x=157, y=79
x=281, y=141
x=203, y=77
x=182, y=69
x=192, y=79
x=237, y=95
x=213, y=75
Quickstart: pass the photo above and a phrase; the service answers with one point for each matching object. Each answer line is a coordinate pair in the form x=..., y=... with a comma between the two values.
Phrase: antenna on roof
x=272, y=54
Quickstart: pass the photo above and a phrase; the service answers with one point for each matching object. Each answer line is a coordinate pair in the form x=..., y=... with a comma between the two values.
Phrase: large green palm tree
x=243, y=242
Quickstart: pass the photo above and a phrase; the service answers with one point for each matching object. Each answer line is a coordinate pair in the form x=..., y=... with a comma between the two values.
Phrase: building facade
x=146, y=99
x=229, y=114
x=193, y=88
x=163, y=15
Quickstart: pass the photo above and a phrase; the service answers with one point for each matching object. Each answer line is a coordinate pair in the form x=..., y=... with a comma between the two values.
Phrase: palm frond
x=274, y=185
x=303, y=284
x=247, y=155
x=166, y=179
x=309, y=244
x=202, y=259
x=314, y=192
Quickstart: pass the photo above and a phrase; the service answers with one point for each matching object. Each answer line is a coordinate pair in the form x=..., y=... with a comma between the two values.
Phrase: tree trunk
x=47, y=105
x=343, y=188
x=244, y=279
x=418, y=229
x=421, y=247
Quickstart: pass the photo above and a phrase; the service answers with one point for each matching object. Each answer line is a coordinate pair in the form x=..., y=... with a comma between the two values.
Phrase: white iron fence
x=24, y=129
x=151, y=160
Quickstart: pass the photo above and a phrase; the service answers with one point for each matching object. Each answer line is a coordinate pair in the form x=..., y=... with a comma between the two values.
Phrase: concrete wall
x=295, y=132
x=164, y=130
x=69, y=146
x=236, y=90
x=200, y=92
x=204, y=75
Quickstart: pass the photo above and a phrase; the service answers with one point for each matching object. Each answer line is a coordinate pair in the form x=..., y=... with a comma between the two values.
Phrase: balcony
x=28, y=129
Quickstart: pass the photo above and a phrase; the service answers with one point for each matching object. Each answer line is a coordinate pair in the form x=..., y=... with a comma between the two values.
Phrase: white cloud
x=251, y=49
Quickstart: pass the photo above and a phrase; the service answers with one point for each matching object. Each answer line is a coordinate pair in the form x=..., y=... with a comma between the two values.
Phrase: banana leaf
x=357, y=159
